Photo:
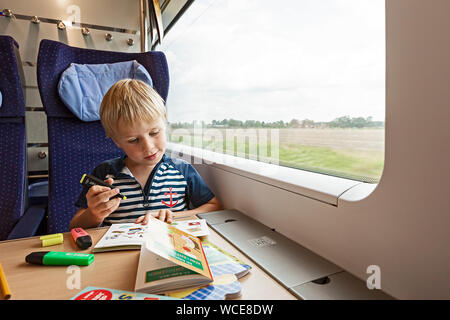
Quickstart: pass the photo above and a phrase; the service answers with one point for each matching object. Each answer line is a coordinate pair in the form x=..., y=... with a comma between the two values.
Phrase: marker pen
x=5, y=290
x=89, y=180
x=55, y=258
x=52, y=239
x=81, y=238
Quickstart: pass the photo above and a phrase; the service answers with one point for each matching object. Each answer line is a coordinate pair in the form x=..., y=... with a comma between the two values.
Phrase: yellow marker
x=52, y=239
x=50, y=236
x=6, y=292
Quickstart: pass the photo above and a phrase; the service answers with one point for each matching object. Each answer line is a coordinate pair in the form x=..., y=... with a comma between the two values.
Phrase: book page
x=123, y=234
x=221, y=263
x=196, y=227
x=177, y=246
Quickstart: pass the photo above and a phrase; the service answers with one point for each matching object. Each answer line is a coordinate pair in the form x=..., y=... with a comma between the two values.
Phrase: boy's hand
x=98, y=200
x=163, y=215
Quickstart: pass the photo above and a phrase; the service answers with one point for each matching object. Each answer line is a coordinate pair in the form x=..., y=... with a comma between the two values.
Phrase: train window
x=299, y=83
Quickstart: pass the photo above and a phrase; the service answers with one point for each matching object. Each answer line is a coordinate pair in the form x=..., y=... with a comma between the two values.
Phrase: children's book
x=226, y=270
x=196, y=227
x=221, y=262
x=225, y=286
x=96, y=293
x=122, y=236
x=170, y=259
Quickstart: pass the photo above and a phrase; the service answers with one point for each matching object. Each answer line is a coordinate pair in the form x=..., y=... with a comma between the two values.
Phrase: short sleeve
x=198, y=191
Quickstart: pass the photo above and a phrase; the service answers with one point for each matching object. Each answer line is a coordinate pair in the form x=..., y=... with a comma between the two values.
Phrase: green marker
x=55, y=258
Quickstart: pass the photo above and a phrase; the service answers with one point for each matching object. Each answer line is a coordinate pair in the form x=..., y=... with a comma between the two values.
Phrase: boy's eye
x=133, y=140
x=154, y=133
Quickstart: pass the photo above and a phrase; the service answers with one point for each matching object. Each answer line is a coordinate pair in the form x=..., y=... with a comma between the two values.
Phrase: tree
x=294, y=123
x=307, y=123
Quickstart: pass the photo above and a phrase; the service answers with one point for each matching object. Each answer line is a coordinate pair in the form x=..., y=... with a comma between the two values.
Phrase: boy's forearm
x=84, y=219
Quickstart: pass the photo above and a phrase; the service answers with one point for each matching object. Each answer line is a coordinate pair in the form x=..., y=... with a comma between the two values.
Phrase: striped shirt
x=173, y=184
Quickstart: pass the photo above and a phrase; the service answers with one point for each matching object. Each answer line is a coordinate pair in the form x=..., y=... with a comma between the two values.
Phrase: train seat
x=17, y=218
x=77, y=146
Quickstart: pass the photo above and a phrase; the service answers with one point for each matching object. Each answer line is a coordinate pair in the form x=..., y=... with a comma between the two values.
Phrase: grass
x=358, y=165
x=362, y=166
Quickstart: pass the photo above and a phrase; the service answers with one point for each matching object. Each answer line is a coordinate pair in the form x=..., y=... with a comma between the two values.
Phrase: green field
x=362, y=166
x=355, y=154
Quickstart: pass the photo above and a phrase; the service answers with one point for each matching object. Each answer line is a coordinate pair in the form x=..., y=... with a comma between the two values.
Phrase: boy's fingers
x=99, y=189
x=108, y=206
x=112, y=204
x=96, y=198
x=140, y=219
x=96, y=190
x=102, y=201
x=169, y=217
x=109, y=181
x=114, y=192
x=106, y=195
x=162, y=215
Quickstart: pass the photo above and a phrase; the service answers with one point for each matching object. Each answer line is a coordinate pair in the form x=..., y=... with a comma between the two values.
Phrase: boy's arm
x=211, y=205
x=84, y=219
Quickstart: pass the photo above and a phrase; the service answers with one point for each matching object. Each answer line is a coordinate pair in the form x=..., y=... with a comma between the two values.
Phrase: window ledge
x=316, y=186
x=358, y=192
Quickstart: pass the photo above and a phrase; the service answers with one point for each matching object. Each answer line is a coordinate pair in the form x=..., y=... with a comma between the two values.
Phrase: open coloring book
x=126, y=236
x=122, y=236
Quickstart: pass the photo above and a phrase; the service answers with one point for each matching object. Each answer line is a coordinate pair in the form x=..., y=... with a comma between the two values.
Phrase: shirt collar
x=119, y=168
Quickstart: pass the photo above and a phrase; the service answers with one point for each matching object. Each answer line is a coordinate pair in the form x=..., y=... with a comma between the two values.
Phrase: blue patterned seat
x=12, y=141
x=13, y=149
x=76, y=147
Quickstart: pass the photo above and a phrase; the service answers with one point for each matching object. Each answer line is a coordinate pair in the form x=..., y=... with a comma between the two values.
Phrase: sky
x=277, y=60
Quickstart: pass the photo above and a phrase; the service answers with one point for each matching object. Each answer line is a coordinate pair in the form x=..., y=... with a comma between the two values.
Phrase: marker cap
x=36, y=257
x=81, y=238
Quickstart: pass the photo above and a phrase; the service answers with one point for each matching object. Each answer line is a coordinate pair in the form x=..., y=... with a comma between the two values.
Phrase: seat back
x=12, y=138
x=76, y=147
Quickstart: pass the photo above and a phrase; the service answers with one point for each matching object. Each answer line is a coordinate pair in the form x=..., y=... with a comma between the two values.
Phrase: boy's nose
x=148, y=144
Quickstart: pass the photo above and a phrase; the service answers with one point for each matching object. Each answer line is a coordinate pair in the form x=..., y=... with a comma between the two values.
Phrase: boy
x=134, y=117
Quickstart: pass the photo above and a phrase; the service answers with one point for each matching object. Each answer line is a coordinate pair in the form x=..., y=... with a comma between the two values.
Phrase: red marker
x=81, y=238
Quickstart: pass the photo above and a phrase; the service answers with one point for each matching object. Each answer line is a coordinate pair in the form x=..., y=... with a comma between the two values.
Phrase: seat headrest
x=83, y=86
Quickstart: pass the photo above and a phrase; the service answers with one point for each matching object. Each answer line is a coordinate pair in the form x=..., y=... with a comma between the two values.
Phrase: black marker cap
x=36, y=257
x=84, y=242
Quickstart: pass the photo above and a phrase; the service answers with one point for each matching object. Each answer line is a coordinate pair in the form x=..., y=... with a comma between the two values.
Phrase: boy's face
x=143, y=142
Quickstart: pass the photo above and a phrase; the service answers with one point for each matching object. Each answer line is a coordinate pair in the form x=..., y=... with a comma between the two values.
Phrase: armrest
x=29, y=223
x=38, y=193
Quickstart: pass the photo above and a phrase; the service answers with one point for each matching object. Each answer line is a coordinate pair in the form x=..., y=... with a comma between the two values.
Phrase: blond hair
x=130, y=100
